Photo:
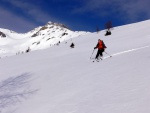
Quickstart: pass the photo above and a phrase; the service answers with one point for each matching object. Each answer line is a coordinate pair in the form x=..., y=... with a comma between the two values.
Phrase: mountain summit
x=57, y=24
x=40, y=38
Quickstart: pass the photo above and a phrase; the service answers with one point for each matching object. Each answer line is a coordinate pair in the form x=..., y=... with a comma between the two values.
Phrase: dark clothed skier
x=72, y=45
x=101, y=48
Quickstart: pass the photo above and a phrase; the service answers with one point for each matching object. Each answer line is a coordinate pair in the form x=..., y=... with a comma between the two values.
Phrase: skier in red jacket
x=101, y=48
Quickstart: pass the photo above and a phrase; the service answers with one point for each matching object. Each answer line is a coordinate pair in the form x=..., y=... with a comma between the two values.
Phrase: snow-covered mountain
x=61, y=79
x=12, y=43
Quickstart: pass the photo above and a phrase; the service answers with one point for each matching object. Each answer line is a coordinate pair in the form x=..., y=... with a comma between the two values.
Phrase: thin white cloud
x=10, y=21
x=32, y=10
x=127, y=9
x=136, y=9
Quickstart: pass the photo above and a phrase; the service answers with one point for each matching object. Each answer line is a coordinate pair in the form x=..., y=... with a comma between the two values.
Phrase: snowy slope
x=40, y=38
x=65, y=80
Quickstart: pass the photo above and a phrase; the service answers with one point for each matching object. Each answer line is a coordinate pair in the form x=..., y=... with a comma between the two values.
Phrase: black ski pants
x=99, y=52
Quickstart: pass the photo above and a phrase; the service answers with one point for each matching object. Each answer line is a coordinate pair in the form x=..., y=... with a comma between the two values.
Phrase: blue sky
x=78, y=15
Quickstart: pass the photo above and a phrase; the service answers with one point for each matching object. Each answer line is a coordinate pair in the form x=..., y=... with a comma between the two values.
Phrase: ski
x=97, y=60
x=101, y=59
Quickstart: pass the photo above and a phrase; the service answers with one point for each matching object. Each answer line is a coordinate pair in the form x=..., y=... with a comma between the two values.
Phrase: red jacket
x=100, y=45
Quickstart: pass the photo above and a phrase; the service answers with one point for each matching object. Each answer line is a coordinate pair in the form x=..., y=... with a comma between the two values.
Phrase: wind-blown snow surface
x=65, y=80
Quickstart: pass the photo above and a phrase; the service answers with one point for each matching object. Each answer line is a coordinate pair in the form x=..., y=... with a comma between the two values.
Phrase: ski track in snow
x=123, y=52
x=129, y=51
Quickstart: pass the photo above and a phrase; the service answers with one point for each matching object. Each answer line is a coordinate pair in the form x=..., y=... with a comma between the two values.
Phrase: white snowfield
x=61, y=79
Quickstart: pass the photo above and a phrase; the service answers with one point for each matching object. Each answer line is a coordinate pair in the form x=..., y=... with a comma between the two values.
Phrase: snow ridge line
x=129, y=51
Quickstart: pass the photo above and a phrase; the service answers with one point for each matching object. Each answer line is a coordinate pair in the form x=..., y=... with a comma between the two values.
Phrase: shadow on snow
x=14, y=90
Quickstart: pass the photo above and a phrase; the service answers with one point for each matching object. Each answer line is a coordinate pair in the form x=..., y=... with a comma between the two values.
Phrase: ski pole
x=92, y=53
x=108, y=54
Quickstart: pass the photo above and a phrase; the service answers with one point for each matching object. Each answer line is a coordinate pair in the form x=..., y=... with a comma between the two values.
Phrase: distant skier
x=72, y=45
x=101, y=48
x=28, y=50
